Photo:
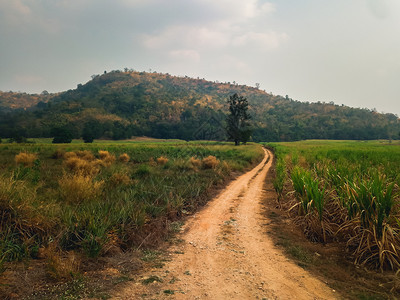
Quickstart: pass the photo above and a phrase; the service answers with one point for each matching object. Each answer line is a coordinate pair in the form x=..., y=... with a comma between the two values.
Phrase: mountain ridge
x=120, y=104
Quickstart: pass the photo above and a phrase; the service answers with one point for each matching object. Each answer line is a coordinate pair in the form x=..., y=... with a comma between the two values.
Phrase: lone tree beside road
x=238, y=128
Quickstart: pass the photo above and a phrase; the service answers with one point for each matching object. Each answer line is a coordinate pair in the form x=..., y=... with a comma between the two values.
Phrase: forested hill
x=12, y=101
x=120, y=104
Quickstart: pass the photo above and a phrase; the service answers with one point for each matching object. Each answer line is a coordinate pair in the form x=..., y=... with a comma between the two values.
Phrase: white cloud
x=26, y=16
x=234, y=26
x=267, y=8
x=14, y=11
x=186, y=55
x=379, y=8
x=239, y=10
x=227, y=62
x=206, y=38
x=383, y=9
x=265, y=40
x=73, y=5
x=186, y=37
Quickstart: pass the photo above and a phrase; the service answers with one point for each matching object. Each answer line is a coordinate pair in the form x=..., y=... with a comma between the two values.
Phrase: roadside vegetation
x=346, y=192
x=69, y=203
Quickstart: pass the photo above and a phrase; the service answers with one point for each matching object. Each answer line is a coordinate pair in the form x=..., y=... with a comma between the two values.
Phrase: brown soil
x=226, y=254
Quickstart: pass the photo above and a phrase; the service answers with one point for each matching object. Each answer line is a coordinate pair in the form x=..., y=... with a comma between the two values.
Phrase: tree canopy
x=238, y=127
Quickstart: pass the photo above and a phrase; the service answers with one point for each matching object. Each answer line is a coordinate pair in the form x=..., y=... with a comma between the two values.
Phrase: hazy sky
x=312, y=50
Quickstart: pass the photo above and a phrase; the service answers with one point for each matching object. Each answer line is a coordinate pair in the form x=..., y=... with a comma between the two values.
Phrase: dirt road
x=226, y=254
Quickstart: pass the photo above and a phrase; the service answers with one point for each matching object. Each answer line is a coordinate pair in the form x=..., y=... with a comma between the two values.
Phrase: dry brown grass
x=210, y=162
x=103, y=154
x=25, y=158
x=78, y=188
x=124, y=157
x=16, y=209
x=61, y=266
x=119, y=179
x=83, y=167
x=152, y=162
x=68, y=155
x=195, y=162
x=85, y=154
x=162, y=160
x=106, y=157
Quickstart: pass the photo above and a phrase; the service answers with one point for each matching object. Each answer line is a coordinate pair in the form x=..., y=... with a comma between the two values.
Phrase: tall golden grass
x=124, y=157
x=84, y=167
x=25, y=158
x=78, y=188
x=210, y=162
x=106, y=157
x=195, y=162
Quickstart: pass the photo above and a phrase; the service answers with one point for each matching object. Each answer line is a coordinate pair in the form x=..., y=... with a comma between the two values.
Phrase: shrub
x=61, y=135
x=25, y=158
x=162, y=160
x=210, y=162
x=124, y=157
x=79, y=188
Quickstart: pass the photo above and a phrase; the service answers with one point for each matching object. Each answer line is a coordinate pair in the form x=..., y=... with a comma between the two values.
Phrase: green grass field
x=345, y=191
x=90, y=198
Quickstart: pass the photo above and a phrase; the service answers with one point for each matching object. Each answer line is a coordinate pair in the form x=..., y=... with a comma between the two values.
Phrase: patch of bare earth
x=226, y=254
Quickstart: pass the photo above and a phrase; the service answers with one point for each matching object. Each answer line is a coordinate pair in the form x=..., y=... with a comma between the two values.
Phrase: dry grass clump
x=120, y=179
x=85, y=154
x=124, y=157
x=83, y=167
x=152, y=162
x=25, y=158
x=61, y=266
x=106, y=157
x=84, y=162
x=15, y=204
x=79, y=188
x=68, y=155
x=195, y=162
x=162, y=160
x=103, y=154
x=210, y=162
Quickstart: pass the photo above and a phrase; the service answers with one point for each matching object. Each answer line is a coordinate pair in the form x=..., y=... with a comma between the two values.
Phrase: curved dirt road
x=226, y=254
